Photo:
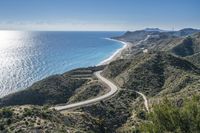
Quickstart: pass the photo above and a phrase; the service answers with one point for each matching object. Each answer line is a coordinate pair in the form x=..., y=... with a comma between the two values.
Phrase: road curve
x=113, y=90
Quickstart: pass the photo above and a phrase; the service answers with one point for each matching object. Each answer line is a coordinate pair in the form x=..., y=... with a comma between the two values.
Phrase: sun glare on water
x=10, y=58
x=7, y=36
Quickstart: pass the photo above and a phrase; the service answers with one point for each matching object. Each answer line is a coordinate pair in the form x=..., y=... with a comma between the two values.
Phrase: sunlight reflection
x=7, y=36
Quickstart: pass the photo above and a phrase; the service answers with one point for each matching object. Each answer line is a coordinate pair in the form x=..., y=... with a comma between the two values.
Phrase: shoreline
x=116, y=54
x=106, y=61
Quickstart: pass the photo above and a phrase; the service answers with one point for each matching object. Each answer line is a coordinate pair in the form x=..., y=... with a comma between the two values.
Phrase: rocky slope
x=31, y=119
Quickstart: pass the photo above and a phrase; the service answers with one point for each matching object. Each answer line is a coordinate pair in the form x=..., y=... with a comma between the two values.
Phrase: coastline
x=112, y=57
x=116, y=54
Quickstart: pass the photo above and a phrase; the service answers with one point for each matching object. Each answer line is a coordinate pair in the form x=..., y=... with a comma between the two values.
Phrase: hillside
x=183, y=116
x=160, y=75
x=154, y=74
x=154, y=40
x=23, y=119
x=55, y=89
x=189, y=46
x=195, y=59
x=179, y=116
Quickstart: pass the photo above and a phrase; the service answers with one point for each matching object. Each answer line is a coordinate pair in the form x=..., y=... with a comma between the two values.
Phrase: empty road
x=113, y=90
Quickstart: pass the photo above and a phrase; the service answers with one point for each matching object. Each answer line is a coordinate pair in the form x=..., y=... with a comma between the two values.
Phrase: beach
x=116, y=54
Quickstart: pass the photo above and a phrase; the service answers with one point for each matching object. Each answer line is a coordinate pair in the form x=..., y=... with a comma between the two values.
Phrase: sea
x=29, y=56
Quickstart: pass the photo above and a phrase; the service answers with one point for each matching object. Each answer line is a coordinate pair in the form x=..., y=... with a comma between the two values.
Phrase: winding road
x=113, y=90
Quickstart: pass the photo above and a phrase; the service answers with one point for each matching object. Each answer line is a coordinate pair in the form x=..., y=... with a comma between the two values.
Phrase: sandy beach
x=116, y=54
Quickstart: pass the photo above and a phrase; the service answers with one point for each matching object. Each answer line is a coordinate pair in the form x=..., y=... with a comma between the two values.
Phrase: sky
x=98, y=15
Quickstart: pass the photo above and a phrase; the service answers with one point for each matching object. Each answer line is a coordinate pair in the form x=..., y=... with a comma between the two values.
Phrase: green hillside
x=153, y=74
x=31, y=119
x=180, y=117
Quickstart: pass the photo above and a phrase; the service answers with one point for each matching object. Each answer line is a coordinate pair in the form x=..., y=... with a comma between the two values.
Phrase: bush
x=6, y=113
x=167, y=117
x=28, y=112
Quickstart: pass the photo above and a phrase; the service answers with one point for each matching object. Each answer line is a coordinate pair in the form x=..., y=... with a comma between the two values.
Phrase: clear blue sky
x=98, y=14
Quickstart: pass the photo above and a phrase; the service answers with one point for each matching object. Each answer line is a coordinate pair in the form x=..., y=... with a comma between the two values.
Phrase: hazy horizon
x=50, y=30
x=95, y=15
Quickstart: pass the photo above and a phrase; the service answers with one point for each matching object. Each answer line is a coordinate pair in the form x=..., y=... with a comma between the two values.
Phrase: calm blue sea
x=26, y=57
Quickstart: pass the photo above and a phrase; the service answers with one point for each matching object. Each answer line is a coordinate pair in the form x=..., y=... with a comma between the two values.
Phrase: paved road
x=113, y=90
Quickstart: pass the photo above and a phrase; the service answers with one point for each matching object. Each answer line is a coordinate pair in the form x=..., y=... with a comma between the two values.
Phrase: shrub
x=167, y=117
x=6, y=113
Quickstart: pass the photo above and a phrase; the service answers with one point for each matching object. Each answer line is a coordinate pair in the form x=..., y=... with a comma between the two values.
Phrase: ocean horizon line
x=64, y=30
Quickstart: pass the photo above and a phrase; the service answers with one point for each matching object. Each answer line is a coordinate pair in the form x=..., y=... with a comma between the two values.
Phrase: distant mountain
x=135, y=36
x=155, y=29
x=187, y=31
